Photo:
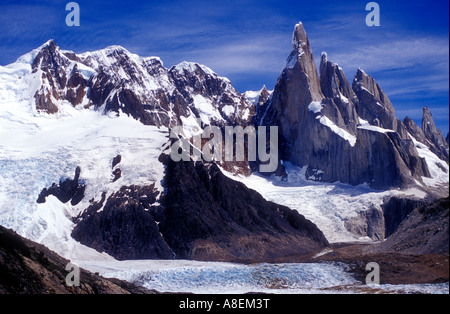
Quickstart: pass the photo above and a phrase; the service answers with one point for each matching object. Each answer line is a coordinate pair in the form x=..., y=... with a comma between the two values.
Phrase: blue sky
x=248, y=41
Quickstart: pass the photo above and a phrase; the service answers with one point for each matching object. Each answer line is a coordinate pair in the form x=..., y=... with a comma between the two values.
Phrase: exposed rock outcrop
x=348, y=133
x=370, y=223
x=61, y=79
x=438, y=144
x=424, y=231
x=67, y=190
x=203, y=215
x=30, y=268
x=124, y=225
x=396, y=209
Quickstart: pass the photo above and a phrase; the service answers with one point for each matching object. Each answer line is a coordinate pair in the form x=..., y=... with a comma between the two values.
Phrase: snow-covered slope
x=37, y=150
x=331, y=206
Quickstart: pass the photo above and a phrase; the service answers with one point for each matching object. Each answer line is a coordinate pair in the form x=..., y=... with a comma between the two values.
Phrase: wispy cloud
x=398, y=53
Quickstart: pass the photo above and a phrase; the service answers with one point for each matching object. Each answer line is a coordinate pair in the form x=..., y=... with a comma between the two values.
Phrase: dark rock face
x=203, y=215
x=415, y=130
x=396, y=209
x=261, y=104
x=374, y=106
x=438, y=144
x=208, y=215
x=57, y=85
x=429, y=135
x=347, y=132
x=68, y=190
x=424, y=231
x=30, y=268
x=125, y=227
x=116, y=160
x=368, y=224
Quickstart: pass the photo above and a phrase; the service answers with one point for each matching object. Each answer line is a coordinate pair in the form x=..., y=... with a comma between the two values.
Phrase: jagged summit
x=114, y=79
x=428, y=134
x=430, y=128
x=363, y=81
x=300, y=40
x=301, y=62
x=341, y=131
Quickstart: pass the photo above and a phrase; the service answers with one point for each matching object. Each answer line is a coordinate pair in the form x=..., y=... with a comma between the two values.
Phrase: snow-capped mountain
x=347, y=132
x=84, y=165
x=113, y=79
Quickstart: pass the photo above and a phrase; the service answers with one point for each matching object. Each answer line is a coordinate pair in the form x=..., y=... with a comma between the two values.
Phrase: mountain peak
x=427, y=120
x=302, y=67
x=300, y=40
x=433, y=134
x=192, y=67
x=49, y=43
x=364, y=83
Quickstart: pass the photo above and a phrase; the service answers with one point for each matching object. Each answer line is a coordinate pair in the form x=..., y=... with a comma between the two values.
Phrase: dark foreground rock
x=30, y=268
x=203, y=215
x=396, y=209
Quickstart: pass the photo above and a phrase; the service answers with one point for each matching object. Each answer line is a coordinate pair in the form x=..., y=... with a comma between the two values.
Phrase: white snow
x=439, y=169
x=38, y=150
x=328, y=205
x=191, y=125
x=192, y=67
x=343, y=98
x=315, y=106
x=253, y=96
x=206, y=110
x=341, y=132
x=228, y=110
x=246, y=114
x=147, y=83
x=365, y=125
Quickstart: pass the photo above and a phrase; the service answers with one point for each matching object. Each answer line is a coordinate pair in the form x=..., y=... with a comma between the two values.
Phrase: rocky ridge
x=341, y=131
x=113, y=79
x=203, y=215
